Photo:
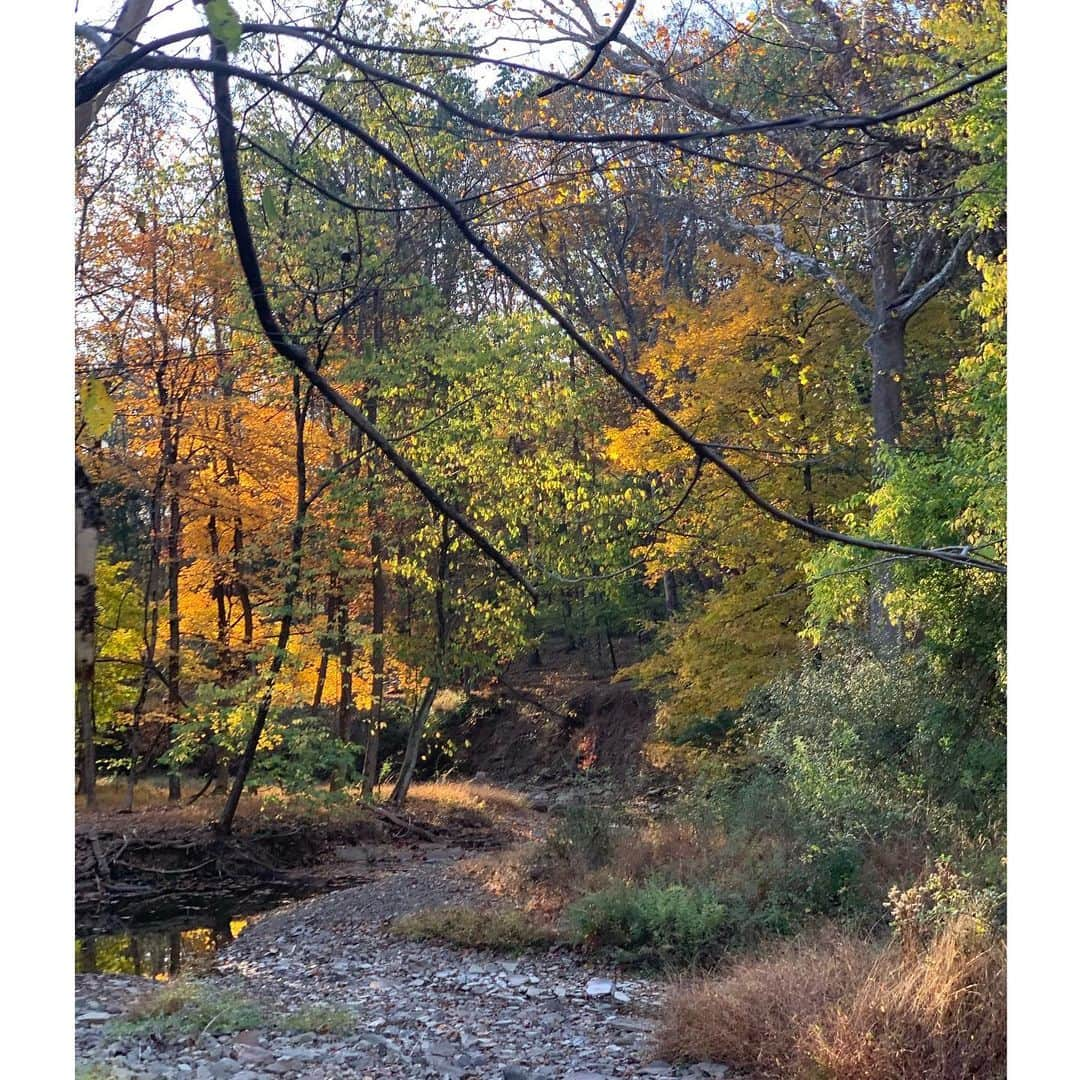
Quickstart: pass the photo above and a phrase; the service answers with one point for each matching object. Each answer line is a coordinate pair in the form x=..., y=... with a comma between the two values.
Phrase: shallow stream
x=165, y=941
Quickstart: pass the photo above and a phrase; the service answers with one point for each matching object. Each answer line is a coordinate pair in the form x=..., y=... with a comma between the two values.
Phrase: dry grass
x=267, y=803
x=506, y=930
x=662, y=849
x=751, y=1016
x=443, y=803
x=459, y=802
x=511, y=875
x=833, y=1007
x=937, y=1014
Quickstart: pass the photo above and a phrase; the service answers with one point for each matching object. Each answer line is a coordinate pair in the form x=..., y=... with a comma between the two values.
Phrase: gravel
x=423, y=1011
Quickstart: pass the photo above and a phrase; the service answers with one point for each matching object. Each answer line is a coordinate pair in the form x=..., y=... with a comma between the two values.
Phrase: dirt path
x=422, y=1010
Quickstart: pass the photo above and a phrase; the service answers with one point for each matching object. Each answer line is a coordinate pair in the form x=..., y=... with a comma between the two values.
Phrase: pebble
x=423, y=1011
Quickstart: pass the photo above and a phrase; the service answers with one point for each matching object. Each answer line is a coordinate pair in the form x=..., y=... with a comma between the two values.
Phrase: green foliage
x=862, y=744
x=304, y=754
x=500, y=929
x=659, y=922
x=120, y=649
x=191, y=1008
x=224, y=23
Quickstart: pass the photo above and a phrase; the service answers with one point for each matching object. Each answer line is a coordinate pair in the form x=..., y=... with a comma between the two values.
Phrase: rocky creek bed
x=415, y=1009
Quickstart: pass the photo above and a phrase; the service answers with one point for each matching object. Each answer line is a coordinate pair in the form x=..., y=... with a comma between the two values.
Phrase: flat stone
x=599, y=987
x=93, y=1017
x=253, y=1055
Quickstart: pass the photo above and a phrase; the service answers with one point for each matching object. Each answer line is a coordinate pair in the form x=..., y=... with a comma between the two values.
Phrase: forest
x=540, y=525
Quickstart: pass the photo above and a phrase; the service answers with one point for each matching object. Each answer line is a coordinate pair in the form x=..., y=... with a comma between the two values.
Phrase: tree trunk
x=886, y=348
x=291, y=591
x=412, y=745
x=87, y=524
x=671, y=593
x=345, y=659
x=320, y=680
x=173, y=667
x=378, y=625
x=378, y=659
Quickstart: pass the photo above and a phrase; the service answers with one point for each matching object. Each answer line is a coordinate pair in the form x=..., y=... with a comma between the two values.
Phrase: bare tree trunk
x=173, y=666
x=345, y=659
x=671, y=593
x=886, y=348
x=292, y=589
x=121, y=41
x=412, y=744
x=378, y=660
x=221, y=775
x=378, y=626
x=320, y=680
x=87, y=524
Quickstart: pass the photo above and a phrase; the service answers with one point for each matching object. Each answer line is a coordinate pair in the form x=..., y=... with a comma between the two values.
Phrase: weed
x=656, y=921
x=504, y=930
x=190, y=1008
x=322, y=1019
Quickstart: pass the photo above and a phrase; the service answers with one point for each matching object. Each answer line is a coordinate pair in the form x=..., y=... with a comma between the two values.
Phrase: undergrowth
x=834, y=1006
x=190, y=1008
x=505, y=930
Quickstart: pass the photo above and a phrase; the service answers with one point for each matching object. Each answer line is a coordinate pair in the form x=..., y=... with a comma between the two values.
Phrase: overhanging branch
x=296, y=354
x=222, y=71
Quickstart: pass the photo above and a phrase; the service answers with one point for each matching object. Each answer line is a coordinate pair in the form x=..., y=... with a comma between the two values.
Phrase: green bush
x=659, y=922
x=866, y=743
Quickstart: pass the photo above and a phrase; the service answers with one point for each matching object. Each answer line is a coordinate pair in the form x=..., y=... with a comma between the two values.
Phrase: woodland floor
x=415, y=1009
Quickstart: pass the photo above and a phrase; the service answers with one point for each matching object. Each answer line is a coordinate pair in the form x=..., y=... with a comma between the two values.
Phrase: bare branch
x=296, y=355
x=120, y=44
x=773, y=235
x=598, y=51
x=930, y=288
x=88, y=33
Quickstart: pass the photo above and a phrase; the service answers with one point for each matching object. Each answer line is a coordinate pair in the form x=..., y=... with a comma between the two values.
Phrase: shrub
x=752, y=1016
x=660, y=922
x=582, y=840
x=506, y=930
x=865, y=743
x=940, y=898
x=835, y=1007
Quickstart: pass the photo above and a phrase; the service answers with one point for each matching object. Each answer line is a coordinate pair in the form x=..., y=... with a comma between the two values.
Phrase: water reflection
x=158, y=953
